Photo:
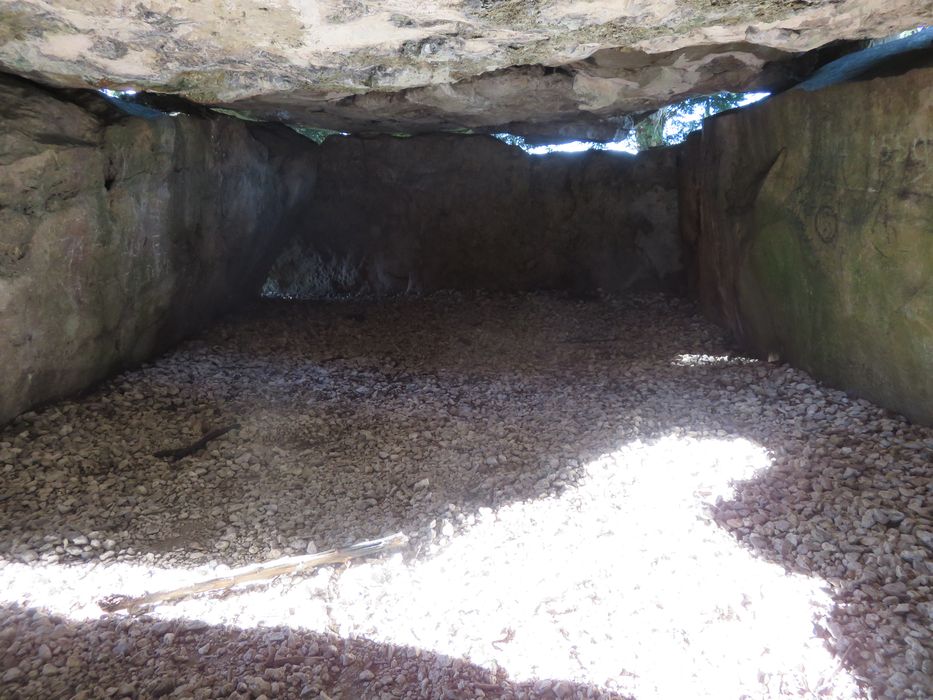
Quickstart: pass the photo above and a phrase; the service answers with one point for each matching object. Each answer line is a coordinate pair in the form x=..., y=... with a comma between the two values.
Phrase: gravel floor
x=602, y=500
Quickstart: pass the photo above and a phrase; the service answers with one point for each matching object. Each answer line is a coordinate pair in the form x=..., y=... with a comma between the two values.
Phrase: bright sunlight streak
x=626, y=146
x=711, y=360
x=622, y=581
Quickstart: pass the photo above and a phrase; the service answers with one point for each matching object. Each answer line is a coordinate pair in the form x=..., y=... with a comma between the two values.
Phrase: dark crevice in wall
x=111, y=108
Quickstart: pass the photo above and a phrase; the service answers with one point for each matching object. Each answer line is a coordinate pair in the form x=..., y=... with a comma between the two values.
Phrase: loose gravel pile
x=603, y=501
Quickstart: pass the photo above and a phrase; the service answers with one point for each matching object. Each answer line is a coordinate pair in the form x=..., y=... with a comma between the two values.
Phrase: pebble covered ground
x=603, y=501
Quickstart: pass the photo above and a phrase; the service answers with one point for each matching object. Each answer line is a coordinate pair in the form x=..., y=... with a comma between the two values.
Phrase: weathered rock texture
x=556, y=68
x=392, y=215
x=811, y=216
x=118, y=234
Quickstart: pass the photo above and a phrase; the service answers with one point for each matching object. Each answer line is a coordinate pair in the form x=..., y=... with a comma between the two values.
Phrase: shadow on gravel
x=350, y=428
x=852, y=508
x=149, y=658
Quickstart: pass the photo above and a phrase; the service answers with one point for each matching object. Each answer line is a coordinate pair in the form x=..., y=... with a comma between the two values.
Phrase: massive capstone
x=559, y=69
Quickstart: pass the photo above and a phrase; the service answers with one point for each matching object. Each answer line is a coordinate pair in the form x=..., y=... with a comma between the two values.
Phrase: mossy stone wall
x=810, y=222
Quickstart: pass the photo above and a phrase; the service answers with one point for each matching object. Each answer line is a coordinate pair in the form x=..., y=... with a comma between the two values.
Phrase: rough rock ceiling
x=558, y=68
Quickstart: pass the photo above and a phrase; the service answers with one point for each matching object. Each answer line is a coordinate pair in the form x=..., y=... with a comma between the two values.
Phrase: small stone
x=895, y=588
x=869, y=518
x=12, y=674
x=194, y=626
x=258, y=685
x=275, y=674
x=366, y=675
x=562, y=690
x=163, y=687
x=891, y=517
x=898, y=680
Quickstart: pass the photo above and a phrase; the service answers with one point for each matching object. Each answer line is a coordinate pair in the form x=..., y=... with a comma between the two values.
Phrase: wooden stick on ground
x=258, y=572
x=180, y=452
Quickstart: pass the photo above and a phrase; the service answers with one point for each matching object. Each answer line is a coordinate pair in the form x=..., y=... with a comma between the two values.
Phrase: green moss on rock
x=827, y=258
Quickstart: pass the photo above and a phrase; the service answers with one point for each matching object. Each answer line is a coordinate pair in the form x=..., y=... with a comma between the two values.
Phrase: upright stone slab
x=391, y=215
x=810, y=217
x=119, y=235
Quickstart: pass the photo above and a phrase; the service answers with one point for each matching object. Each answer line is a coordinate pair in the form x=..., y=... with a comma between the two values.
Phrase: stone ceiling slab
x=561, y=67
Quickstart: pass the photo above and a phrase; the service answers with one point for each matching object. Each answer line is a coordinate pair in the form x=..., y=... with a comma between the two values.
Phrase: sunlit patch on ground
x=621, y=581
x=694, y=360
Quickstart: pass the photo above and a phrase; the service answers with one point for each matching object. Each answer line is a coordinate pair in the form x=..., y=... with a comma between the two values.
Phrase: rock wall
x=810, y=223
x=391, y=215
x=118, y=235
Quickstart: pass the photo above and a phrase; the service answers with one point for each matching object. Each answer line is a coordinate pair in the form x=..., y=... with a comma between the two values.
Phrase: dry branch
x=180, y=452
x=258, y=572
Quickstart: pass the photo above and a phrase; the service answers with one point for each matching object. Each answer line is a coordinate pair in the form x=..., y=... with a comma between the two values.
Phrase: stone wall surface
x=390, y=215
x=809, y=220
x=806, y=224
x=118, y=235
